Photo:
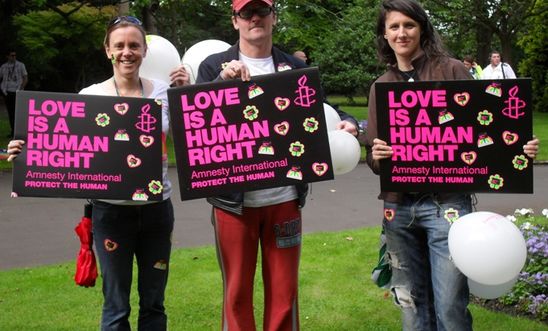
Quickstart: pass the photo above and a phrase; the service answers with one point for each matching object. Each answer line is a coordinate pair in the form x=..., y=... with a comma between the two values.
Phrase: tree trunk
x=149, y=22
x=484, y=33
x=506, y=42
x=123, y=8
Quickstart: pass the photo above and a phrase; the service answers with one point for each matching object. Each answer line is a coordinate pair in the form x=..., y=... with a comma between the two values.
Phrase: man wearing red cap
x=270, y=217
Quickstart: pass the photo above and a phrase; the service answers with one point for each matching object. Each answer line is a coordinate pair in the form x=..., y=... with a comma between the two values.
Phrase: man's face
x=467, y=64
x=255, y=22
x=495, y=59
x=300, y=55
x=11, y=57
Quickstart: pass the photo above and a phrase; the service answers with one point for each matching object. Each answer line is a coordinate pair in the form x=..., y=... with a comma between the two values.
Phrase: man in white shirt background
x=497, y=69
x=13, y=77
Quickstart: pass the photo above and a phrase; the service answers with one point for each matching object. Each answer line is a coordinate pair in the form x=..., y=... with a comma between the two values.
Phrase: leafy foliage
x=346, y=55
x=535, y=60
x=64, y=52
x=337, y=35
x=186, y=22
x=529, y=295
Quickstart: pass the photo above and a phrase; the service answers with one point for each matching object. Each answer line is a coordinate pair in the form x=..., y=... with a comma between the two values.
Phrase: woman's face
x=403, y=35
x=128, y=48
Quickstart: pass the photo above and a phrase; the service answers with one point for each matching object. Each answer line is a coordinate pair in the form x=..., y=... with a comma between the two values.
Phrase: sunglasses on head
x=120, y=19
x=248, y=13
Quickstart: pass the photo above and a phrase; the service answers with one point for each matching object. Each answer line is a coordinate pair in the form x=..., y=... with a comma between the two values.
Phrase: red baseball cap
x=239, y=4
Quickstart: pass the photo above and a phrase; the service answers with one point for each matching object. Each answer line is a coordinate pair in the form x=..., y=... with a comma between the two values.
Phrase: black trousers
x=10, y=107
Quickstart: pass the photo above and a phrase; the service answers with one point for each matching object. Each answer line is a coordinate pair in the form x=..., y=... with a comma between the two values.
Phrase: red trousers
x=278, y=230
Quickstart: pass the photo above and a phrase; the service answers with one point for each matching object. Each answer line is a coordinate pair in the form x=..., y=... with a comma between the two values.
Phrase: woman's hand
x=236, y=69
x=179, y=76
x=14, y=148
x=531, y=148
x=381, y=150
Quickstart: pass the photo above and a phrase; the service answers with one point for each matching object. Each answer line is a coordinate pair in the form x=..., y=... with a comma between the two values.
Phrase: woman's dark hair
x=430, y=41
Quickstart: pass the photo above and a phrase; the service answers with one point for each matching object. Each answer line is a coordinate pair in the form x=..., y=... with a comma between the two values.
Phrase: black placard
x=241, y=136
x=84, y=146
x=456, y=136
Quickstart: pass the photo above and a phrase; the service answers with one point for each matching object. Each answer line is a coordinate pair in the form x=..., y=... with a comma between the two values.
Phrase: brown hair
x=430, y=41
x=122, y=24
x=469, y=59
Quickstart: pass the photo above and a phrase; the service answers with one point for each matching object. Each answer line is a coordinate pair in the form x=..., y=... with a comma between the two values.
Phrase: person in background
x=474, y=69
x=270, y=218
x=497, y=69
x=13, y=77
x=123, y=230
x=301, y=55
x=431, y=292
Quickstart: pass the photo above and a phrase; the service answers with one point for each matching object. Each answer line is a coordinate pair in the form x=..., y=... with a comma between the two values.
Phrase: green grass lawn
x=540, y=129
x=336, y=292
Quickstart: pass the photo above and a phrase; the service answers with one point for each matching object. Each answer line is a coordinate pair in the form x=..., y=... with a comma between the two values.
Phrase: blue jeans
x=431, y=292
x=119, y=234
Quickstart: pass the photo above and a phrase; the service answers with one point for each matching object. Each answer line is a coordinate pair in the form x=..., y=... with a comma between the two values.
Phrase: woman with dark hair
x=431, y=292
x=124, y=230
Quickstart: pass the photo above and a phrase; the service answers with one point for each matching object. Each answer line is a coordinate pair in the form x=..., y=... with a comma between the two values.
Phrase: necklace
x=11, y=70
x=118, y=92
x=409, y=75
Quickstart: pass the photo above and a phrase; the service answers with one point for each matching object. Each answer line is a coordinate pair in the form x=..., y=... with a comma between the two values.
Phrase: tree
x=481, y=20
x=337, y=35
x=63, y=46
x=302, y=24
x=347, y=55
x=535, y=60
x=186, y=22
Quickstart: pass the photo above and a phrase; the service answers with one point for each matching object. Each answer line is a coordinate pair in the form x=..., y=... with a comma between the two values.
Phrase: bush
x=529, y=294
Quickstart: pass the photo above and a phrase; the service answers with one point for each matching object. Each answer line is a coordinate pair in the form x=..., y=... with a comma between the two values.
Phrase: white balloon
x=198, y=52
x=161, y=58
x=345, y=151
x=331, y=117
x=491, y=291
x=487, y=248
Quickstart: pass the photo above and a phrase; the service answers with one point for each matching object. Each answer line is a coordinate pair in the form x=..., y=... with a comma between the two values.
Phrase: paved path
x=38, y=231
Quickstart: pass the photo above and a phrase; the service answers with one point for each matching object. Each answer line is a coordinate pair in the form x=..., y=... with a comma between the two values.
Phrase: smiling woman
x=122, y=230
x=431, y=292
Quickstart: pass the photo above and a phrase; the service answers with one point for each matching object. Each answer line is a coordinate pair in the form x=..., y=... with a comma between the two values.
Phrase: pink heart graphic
x=133, y=161
x=146, y=141
x=462, y=98
x=469, y=157
x=281, y=103
x=121, y=108
x=319, y=168
x=282, y=128
x=510, y=138
x=389, y=214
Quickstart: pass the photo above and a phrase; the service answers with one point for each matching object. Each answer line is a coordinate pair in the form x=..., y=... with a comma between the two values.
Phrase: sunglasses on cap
x=248, y=13
x=120, y=19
